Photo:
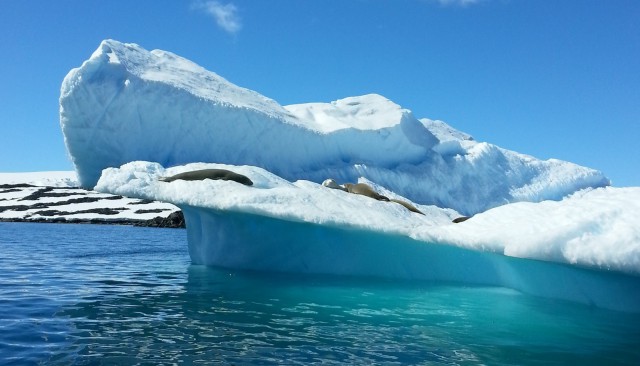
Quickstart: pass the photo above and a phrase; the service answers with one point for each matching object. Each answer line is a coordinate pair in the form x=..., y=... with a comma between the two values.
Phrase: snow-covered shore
x=55, y=197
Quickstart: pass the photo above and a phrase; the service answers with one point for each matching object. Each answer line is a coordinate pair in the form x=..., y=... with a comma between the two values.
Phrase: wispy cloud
x=225, y=15
x=462, y=3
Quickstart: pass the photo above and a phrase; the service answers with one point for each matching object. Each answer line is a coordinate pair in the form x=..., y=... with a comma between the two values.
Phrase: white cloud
x=225, y=15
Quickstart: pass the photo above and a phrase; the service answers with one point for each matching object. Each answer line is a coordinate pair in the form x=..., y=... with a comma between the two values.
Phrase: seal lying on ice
x=460, y=219
x=330, y=183
x=366, y=190
x=409, y=206
x=215, y=174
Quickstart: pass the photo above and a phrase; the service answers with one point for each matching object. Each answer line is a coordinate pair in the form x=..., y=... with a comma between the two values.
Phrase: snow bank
x=593, y=228
x=50, y=179
x=126, y=104
x=584, y=248
x=270, y=195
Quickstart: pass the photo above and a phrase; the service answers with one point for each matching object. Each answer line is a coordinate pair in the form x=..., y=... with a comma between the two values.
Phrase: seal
x=365, y=190
x=409, y=206
x=460, y=219
x=214, y=174
x=330, y=183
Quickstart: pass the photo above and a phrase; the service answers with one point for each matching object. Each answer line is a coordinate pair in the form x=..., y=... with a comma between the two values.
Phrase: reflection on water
x=76, y=294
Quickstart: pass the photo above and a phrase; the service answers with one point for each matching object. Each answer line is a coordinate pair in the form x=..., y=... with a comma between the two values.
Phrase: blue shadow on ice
x=256, y=242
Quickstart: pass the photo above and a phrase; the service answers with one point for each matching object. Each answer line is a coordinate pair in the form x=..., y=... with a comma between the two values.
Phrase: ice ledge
x=256, y=242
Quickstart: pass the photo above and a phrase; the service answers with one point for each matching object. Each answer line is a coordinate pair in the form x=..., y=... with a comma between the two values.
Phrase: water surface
x=119, y=295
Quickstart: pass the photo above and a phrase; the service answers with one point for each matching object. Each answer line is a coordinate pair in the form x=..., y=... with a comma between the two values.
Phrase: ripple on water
x=85, y=294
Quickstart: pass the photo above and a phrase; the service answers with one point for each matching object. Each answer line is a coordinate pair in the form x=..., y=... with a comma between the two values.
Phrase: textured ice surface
x=126, y=104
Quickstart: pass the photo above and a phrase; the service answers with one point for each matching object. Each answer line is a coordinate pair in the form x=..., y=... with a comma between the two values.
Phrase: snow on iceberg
x=126, y=104
x=585, y=248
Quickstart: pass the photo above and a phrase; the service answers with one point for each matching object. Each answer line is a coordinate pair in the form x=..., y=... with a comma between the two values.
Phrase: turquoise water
x=118, y=295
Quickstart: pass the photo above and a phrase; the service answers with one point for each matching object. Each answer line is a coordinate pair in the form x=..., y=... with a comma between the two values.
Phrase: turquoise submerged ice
x=550, y=228
x=583, y=248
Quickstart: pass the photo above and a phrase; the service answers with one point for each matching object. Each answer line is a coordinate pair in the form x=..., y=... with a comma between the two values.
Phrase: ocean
x=121, y=295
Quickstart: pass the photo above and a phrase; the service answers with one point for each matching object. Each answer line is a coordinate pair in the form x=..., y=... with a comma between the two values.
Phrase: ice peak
x=366, y=112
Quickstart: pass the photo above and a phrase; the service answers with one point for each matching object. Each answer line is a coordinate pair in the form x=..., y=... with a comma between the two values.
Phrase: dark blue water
x=117, y=295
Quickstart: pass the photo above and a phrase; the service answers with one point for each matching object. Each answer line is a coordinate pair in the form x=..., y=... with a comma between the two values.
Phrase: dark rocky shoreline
x=44, y=204
x=174, y=220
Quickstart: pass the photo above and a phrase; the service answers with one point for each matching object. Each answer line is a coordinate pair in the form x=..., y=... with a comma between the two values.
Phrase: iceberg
x=126, y=104
x=584, y=248
x=545, y=227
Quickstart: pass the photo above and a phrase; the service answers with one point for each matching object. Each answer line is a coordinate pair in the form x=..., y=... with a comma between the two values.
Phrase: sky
x=552, y=79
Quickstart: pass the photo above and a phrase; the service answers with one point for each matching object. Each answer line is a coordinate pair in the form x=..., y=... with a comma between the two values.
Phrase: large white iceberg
x=126, y=103
x=549, y=228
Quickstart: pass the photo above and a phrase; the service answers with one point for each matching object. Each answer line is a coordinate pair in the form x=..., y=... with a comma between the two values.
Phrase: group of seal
x=214, y=174
x=366, y=190
x=355, y=188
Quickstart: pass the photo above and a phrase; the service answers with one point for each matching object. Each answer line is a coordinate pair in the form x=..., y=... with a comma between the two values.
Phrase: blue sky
x=553, y=79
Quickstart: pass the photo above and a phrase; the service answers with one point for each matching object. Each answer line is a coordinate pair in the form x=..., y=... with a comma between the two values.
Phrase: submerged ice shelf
x=591, y=257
